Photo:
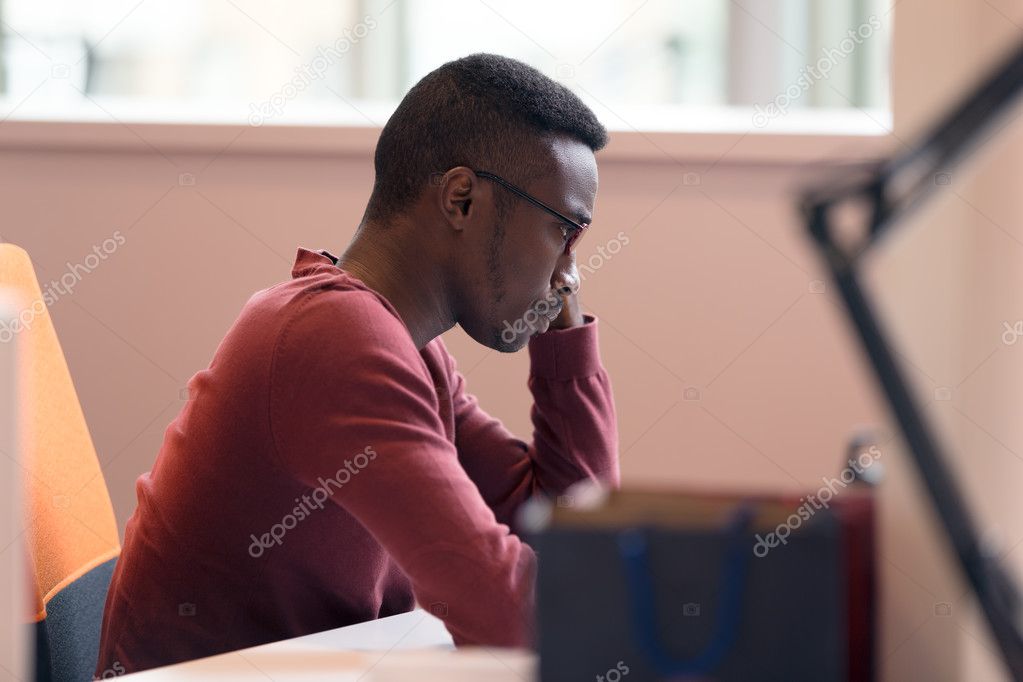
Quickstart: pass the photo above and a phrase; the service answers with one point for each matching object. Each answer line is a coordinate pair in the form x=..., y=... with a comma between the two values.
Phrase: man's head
x=500, y=253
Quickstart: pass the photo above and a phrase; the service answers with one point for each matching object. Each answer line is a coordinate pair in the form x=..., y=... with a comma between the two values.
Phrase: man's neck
x=415, y=286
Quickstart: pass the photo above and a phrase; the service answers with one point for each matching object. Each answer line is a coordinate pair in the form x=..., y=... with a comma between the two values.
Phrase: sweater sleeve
x=346, y=381
x=575, y=435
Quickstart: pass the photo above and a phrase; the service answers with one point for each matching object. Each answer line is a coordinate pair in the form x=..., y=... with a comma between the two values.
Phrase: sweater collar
x=307, y=261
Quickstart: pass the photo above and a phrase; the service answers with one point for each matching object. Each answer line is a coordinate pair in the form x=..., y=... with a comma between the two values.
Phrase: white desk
x=409, y=646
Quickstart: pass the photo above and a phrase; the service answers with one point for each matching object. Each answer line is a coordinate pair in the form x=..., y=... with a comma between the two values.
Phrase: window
x=349, y=61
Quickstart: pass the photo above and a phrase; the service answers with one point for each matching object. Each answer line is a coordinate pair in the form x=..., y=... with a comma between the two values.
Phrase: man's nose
x=566, y=277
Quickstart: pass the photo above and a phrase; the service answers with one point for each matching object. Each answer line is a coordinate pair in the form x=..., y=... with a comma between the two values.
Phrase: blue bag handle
x=633, y=546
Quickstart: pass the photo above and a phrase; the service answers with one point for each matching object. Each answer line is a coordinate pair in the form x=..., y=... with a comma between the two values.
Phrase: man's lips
x=544, y=311
x=555, y=307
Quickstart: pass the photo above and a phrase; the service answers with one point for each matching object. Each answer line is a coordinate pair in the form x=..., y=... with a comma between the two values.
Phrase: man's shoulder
x=345, y=347
x=338, y=320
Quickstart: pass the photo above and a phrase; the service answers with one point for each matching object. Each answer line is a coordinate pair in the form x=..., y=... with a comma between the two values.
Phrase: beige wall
x=712, y=292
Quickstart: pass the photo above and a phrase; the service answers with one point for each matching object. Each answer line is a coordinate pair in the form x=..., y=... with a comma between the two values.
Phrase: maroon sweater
x=325, y=472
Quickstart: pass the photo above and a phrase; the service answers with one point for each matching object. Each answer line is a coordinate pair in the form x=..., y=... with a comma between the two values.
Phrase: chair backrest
x=72, y=535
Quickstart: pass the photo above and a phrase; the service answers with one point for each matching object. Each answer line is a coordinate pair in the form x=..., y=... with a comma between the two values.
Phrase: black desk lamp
x=890, y=191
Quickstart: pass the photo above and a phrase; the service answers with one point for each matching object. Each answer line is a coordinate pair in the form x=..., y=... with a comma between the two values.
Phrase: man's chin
x=511, y=339
x=503, y=341
x=502, y=345
x=508, y=339
x=520, y=338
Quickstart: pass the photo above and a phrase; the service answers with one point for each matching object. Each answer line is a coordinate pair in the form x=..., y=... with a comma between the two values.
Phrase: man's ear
x=458, y=189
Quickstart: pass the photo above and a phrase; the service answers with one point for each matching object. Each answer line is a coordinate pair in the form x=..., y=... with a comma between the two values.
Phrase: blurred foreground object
x=13, y=594
x=656, y=585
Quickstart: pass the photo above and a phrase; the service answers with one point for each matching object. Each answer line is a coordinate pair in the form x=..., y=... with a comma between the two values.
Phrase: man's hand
x=571, y=314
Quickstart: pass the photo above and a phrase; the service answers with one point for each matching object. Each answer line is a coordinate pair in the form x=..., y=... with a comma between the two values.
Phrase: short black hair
x=483, y=111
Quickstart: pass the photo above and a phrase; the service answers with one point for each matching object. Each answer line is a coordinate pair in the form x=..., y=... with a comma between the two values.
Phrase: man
x=330, y=466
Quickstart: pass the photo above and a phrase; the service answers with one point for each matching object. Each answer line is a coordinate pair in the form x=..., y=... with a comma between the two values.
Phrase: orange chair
x=71, y=538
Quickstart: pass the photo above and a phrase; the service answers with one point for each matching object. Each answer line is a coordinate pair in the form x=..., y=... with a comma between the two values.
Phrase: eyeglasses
x=570, y=229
